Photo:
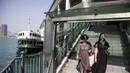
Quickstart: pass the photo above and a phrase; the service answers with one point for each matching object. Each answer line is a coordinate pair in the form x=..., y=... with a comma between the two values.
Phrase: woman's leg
x=85, y=71
x=81, y=71
x=105, y=65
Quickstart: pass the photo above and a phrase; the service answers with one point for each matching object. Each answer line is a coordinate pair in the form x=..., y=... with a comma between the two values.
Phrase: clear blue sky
x=15, y=13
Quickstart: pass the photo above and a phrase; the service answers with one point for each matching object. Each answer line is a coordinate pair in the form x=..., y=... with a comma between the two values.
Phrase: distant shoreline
x=3, y=36
x=6, y=37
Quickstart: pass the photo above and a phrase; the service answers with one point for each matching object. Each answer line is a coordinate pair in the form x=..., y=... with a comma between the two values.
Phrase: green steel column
x=49, y=45
x=22, y=62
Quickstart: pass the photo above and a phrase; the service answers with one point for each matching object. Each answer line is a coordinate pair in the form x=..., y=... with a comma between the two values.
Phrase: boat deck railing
x=25, y=64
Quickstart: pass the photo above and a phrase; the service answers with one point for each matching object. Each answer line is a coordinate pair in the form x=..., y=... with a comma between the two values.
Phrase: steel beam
x=99, y=17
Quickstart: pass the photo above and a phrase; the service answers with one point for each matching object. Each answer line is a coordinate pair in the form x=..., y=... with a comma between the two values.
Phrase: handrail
x=120, y=27
x=127, y=36
x=34, y=54
x=16, y=63
x=8, y=65
x=68, y=33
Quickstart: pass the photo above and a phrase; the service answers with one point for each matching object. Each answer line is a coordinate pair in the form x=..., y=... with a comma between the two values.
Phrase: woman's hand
x=89, y=51
x=77, y=57
x=95, y=60
x=96, y=52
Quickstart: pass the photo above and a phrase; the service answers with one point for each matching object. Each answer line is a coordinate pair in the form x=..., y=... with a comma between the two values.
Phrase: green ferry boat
x=29, y=42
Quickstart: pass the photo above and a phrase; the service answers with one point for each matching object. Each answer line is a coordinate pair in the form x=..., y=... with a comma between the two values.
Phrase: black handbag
x=107, y=52
x=94, y=67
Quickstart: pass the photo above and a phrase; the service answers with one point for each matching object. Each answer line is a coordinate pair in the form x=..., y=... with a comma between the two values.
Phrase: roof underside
x=119, y=11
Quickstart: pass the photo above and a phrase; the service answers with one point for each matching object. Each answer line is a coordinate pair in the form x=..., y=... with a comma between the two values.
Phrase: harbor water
x=8, y=48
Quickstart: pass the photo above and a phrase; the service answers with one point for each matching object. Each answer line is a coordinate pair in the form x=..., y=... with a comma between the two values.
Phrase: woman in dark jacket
x=101, y=54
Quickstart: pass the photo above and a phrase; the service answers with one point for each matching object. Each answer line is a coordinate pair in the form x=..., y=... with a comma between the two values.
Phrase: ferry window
x=19, y=42
x=23, y=34
x=30, y=42
x=30, y=34
x=20, y=34
x=23, y=42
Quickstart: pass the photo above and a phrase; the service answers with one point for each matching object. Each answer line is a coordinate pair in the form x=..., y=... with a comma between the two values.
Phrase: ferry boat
x=29, y=41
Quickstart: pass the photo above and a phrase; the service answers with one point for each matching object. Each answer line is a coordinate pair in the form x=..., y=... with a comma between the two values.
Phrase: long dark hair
x=100, y=37
x=83, y=38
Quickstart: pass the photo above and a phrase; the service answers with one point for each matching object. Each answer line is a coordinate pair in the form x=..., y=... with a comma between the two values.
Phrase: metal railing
x=69, y=39
x=25, y=64
x=126, y=44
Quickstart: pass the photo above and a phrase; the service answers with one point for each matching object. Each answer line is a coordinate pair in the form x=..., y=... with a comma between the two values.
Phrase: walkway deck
x=70, y=67
x=114, y=64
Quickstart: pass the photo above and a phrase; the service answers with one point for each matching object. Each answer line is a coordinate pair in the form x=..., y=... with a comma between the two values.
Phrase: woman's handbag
x=107, y=52
x=94, y=67
x=91, y=58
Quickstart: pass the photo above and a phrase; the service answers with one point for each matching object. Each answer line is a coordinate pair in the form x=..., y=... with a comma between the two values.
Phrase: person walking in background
x=83, y=65
x=101, y=54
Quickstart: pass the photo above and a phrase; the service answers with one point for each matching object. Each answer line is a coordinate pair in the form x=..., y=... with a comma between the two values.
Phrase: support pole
x=49, y=46
x=67, y=4
x=22, y=62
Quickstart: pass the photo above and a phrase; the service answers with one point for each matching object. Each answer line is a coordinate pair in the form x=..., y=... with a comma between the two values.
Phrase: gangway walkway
x=70, y=67
x=116, y=61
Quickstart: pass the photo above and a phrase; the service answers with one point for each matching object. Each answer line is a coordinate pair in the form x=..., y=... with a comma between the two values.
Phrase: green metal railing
x=69, y=39
x=25, y=64
x=126, y=44
x=126, y=50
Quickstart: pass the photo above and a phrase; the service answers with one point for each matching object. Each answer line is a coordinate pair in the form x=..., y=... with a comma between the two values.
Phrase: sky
x=15, y=13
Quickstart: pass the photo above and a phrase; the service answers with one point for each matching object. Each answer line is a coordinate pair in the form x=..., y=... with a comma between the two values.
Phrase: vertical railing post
x=40, y=66
x=72, y=36
x=22, y=62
